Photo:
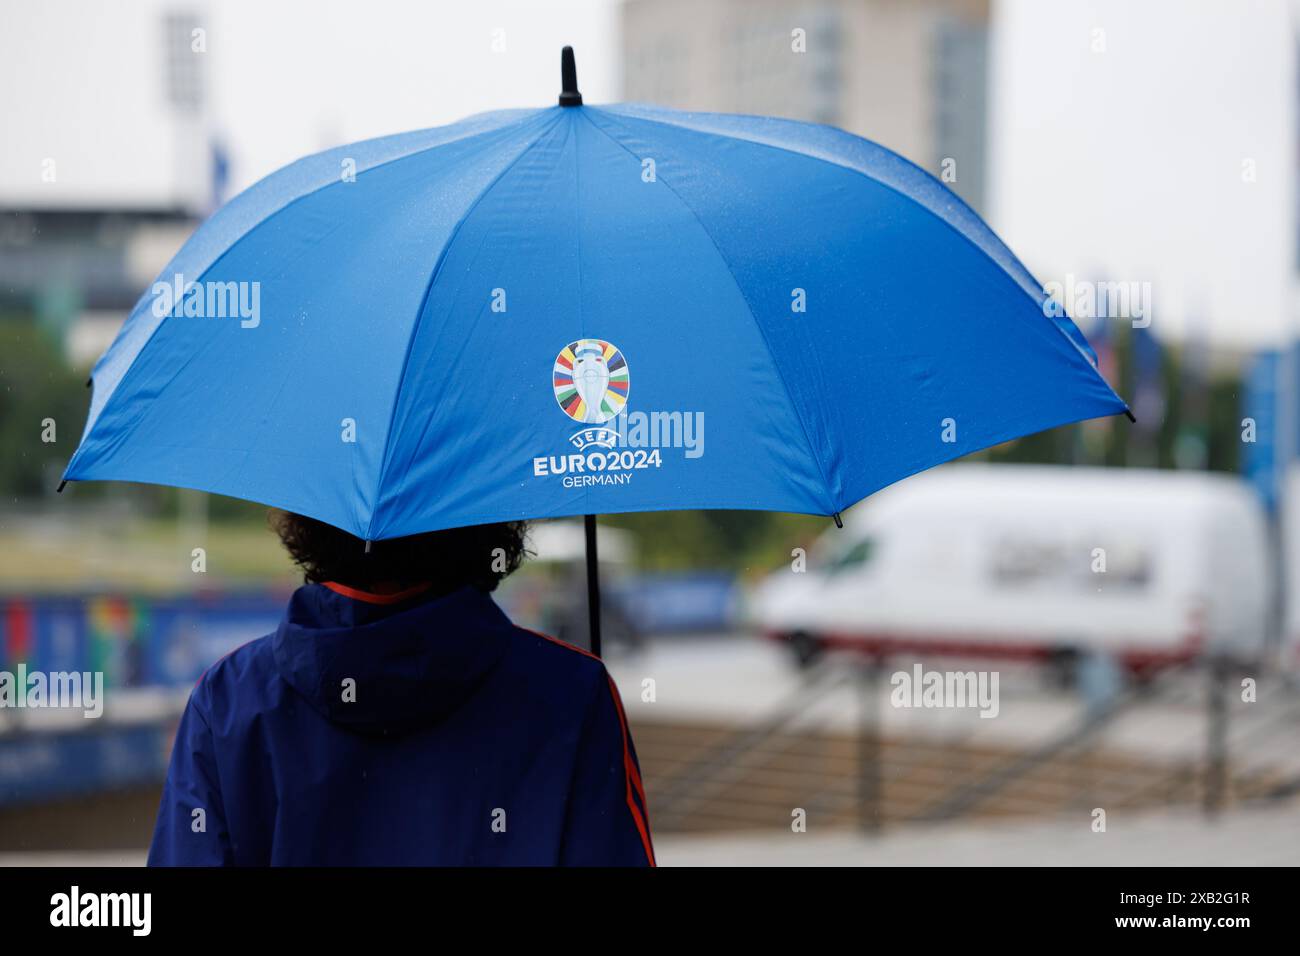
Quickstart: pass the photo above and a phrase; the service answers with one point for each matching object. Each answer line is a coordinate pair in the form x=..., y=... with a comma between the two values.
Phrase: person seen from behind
x=397, y=717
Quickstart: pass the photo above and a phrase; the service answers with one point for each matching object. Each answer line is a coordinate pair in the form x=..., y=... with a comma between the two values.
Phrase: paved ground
x=1260, y=837
x=116, y=858
x=740, y=678
x=1255, y=838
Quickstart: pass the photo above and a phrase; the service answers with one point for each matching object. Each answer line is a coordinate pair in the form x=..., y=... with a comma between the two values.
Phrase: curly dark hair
x=480, y=555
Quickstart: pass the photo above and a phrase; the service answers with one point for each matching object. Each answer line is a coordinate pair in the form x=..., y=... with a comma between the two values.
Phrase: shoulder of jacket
x=236, y=668
x=577, y=659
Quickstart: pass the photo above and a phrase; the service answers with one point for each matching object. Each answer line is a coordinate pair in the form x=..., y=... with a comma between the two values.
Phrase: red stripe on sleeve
x=633, y=779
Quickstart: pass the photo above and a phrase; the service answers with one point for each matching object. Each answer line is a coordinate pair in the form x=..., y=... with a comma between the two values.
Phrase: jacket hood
x=412, y=661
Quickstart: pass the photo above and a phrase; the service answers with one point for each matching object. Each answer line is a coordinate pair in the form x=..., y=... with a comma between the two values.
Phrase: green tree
x=36, y=388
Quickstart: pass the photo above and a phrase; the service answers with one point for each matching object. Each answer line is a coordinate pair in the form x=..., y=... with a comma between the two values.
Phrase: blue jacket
x=377, y=730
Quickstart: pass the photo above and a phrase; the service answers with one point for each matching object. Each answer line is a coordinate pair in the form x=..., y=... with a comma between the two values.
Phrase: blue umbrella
x=577, y=310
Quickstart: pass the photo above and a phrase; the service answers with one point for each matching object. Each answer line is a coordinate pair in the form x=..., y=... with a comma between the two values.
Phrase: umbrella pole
x=570, y=96
x=593, y=586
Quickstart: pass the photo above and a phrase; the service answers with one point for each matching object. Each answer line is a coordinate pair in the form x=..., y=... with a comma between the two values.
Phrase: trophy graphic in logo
x=591, y=381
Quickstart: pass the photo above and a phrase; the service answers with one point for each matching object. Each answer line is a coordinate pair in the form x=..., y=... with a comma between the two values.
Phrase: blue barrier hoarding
x=133, y=641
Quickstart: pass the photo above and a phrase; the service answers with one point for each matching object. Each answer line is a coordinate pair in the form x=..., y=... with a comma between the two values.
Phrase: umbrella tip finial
x=569, y=95
x=839, y=523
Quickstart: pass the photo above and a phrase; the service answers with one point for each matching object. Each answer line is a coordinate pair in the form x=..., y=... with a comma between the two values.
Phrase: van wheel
x=1142, y=679
x=806, y=648
x=1063, y=668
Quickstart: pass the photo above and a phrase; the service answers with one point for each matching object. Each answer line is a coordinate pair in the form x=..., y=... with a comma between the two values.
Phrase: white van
x=1034, y=561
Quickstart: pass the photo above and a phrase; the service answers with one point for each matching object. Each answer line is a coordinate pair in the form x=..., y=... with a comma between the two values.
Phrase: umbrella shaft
x=593, y=585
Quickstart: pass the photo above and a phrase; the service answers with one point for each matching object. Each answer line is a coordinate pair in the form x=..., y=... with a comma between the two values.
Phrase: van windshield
x=858, y=554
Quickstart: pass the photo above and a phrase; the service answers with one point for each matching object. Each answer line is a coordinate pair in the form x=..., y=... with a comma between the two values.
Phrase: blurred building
x=908, y=74
x=109, y=169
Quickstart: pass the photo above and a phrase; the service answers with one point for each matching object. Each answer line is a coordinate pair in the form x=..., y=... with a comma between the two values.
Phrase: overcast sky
x=322, y=72
x=1127, y=163
x=81, y=81
x=1123, y=162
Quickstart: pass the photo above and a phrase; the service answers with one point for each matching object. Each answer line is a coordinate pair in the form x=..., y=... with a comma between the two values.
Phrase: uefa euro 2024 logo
x=591, y=384
x=591, y=381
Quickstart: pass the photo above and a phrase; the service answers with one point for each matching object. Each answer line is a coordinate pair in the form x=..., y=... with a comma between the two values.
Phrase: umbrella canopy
x=578, y=310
